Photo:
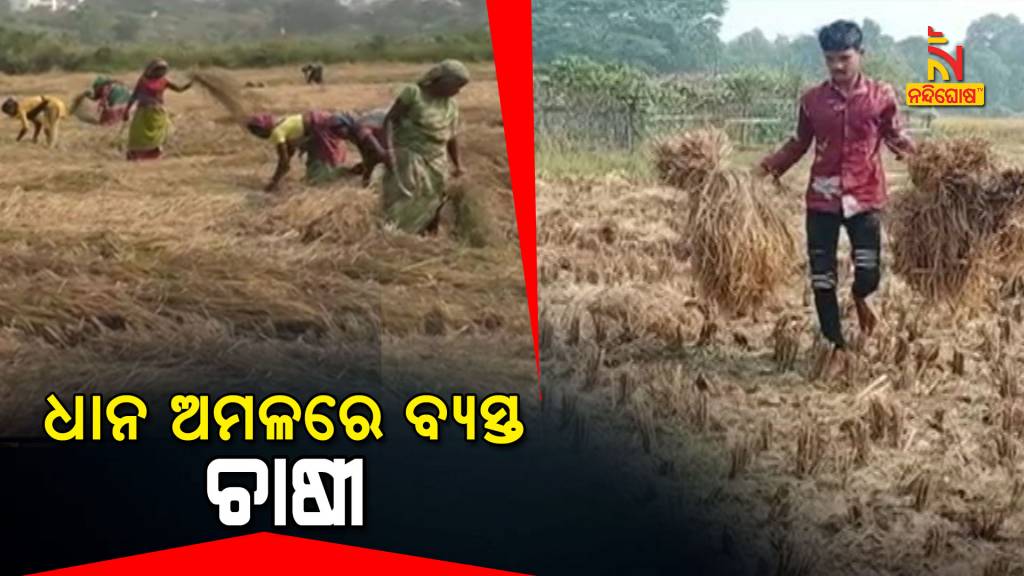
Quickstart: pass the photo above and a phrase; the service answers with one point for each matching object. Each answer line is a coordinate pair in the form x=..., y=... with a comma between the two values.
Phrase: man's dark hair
x=840, y=35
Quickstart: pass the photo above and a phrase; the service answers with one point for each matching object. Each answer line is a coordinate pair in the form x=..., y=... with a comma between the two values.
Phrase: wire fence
x=626, y=128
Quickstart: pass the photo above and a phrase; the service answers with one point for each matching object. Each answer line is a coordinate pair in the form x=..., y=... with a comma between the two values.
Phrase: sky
x=898, y=18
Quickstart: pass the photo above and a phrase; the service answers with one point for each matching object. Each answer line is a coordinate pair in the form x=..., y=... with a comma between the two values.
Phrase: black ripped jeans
x=865, y=233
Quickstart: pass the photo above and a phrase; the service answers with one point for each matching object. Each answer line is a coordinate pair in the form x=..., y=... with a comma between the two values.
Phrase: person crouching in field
x=44, y=112
x=314, y=73
x=847, y=117
x=318, y=134
x=112, y=99
x=150, y=125
x=419, y=129
x=367, y=133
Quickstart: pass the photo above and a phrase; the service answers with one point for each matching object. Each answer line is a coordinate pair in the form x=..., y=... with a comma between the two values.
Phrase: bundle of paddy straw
x=224, y=90
x=956, y=220
x=739, y=245
x=80, y=112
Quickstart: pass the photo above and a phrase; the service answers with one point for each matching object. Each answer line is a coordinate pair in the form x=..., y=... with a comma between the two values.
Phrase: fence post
x=630, y=120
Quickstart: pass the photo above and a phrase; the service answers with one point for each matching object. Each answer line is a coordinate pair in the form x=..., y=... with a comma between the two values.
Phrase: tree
x=310, y=16
x=670, y=36
x=993, y=32
x=914, y=53
x=750, y=49
x=807, y=55
x=93, y=25
x=1001, y=35
x=887, y=67
x=243, y=6
x=872, y=33
x=128, y=28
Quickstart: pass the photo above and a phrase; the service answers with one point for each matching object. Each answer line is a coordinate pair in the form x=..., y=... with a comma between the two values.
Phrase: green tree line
x=107, y=35
x=124, y=21
x=682, y=37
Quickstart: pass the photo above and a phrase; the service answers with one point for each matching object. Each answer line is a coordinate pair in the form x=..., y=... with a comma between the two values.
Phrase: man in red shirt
x=847, y=117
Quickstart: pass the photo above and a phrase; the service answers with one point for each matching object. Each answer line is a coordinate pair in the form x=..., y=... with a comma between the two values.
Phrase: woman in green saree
x=420, y=137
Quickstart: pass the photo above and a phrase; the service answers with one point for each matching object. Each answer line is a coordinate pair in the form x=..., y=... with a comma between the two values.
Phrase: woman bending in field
x=111, y=96
x=315, y=133
x=321, y=136
x=150, y=124
x=44, y=112
x=366, y=132
x=419, y=130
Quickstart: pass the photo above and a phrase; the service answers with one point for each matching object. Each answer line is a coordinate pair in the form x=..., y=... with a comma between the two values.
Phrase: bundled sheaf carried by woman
x=420, y=131
x=111, y=99
x=151, y=123
x=321, y=136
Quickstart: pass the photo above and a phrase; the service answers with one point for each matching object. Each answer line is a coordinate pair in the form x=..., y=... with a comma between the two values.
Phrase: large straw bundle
x=224, y=90
x=1009, y=242
x=687, y=160
x=84, y=113
x=955, y=220
x=739, y=245
x=950, y=159
x=473, y=221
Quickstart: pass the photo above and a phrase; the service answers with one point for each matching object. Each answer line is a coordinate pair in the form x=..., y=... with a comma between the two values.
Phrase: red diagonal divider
x=266, y=553
x=511, y=37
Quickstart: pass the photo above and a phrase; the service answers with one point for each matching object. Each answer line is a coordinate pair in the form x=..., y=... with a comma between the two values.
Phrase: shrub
x=27, y=52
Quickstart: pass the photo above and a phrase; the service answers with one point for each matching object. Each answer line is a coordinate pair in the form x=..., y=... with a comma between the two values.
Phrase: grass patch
x=562, y=160
x=559, y=161
x=996, y=129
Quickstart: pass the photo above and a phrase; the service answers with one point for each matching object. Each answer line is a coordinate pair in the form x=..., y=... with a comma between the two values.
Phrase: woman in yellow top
x=319, y=134
x=419, y=130
x=44, y=112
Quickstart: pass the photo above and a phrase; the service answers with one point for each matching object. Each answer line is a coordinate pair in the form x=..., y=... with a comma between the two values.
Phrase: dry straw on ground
x=906, y=470
x=739, y=244
x=119, y=274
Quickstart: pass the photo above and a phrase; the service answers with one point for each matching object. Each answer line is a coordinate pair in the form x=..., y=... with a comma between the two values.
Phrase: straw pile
x=1009, y=243
x=224, y=90
x=738, y=242
x=473, y=221
x=686, y=161
x=83, y=113
x=956, y=219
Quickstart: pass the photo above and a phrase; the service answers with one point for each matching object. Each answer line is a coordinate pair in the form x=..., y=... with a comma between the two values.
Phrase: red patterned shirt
x=847, y=176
